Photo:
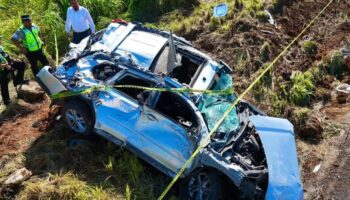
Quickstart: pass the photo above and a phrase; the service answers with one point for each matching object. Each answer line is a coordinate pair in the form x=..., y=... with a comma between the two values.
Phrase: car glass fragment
x=213, y=107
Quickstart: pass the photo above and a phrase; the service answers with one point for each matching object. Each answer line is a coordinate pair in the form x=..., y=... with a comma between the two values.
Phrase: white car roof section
x=142, y=46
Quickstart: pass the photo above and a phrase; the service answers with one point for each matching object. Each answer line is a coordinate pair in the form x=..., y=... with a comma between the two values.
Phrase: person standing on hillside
x=80, y=20
x=8, y=66
x=28, y=39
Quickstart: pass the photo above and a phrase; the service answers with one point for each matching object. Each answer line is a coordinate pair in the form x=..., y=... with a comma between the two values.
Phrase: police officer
x=28, y=39
x=9, y=66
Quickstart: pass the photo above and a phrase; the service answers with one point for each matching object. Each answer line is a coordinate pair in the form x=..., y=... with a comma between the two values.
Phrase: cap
x=25, y=17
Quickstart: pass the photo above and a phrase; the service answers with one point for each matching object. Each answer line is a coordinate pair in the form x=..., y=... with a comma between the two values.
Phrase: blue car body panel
x=278, y=140
x=166, y=141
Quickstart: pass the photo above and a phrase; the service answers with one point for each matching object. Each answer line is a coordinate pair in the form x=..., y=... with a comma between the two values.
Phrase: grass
x=310, y=47
x=332, y=129
x=90, y=170
x=64, y=186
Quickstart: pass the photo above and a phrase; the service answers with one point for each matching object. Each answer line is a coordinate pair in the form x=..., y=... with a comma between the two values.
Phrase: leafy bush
x=300, y=116
x=214, y=23
x=310, y=47
x=265, y=52
x=302, y=88
x=336, y=64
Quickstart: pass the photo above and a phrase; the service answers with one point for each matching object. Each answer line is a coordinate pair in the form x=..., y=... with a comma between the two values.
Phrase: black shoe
x=24, y=82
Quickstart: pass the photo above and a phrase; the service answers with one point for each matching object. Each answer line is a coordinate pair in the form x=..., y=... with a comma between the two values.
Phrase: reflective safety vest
x=32, y=40
x=2, y=58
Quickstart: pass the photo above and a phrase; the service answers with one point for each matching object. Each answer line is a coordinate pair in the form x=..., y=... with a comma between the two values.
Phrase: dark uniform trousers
x=34, y=57
x=17, y=73
x=78, y=37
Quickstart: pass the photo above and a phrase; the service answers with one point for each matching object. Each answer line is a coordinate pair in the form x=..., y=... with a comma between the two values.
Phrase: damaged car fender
x=278, y=140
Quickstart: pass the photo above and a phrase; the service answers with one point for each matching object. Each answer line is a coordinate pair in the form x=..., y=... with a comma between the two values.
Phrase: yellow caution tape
x=89, y=90
x=179, y=90
x=218, y=124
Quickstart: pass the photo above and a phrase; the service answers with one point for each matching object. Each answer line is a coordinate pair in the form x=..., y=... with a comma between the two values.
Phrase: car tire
x=210, y=187
x=77, y=117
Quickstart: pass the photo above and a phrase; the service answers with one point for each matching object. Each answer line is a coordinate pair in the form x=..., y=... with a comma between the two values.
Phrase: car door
x=153, y=137
x=116, y=114
x=165, y=140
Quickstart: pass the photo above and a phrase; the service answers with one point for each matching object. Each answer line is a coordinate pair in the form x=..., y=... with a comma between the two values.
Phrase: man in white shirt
x=79, y=19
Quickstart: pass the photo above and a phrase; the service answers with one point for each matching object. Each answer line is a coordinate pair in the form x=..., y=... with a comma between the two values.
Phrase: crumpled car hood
x=278, y=140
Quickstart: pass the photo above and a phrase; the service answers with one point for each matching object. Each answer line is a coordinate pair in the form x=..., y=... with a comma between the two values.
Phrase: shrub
x=225, y=28
x=243, y=25
x=310, y=47
x=265, y=52
x=279, y=106
x=214, y=23
x=336, y=65
x=300, y=116
x=302, y=88
x=318, y=73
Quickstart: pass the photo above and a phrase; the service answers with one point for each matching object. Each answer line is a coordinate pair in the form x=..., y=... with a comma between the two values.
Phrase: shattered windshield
x=214, y=106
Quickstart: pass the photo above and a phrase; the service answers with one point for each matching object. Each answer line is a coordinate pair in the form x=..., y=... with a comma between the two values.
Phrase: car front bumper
x=49, y=82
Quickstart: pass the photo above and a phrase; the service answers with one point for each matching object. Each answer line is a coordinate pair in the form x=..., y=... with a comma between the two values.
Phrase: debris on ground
x=312, y=129
x=18, y=176
x=317, y=168
x=343, y=93
x=30, y=92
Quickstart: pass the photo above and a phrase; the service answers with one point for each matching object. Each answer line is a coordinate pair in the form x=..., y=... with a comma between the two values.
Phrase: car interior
x=183, y=72
x=130, y=79
x=105, y=71
x=174, y=107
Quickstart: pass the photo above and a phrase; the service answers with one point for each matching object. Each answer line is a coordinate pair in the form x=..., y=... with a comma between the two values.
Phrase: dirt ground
x=21, y=125
x=332, y=181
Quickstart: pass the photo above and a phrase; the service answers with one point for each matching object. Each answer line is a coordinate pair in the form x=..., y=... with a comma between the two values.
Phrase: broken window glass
x=214, y=106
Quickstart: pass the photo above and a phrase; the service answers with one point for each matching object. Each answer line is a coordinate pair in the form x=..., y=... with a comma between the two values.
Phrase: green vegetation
x=333, y=129
x=310, y=47
x=299, y=117
x=152, y=9
x=277, y=5
x=87, y=170
x=64, y=186
x=336, y=64
x=265, y=52
x=50, y=16
x=302, y=88
x=262, y=16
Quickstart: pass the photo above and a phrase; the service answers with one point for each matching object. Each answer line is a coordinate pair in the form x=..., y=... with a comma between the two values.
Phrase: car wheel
x=201, y=186
x=77, y=117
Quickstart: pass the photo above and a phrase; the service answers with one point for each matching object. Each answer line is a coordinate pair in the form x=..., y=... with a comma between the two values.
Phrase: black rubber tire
x=216, y=191
x=83, y=110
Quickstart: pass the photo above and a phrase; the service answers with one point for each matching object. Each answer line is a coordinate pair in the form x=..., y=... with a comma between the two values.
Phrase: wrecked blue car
x=251, y=155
